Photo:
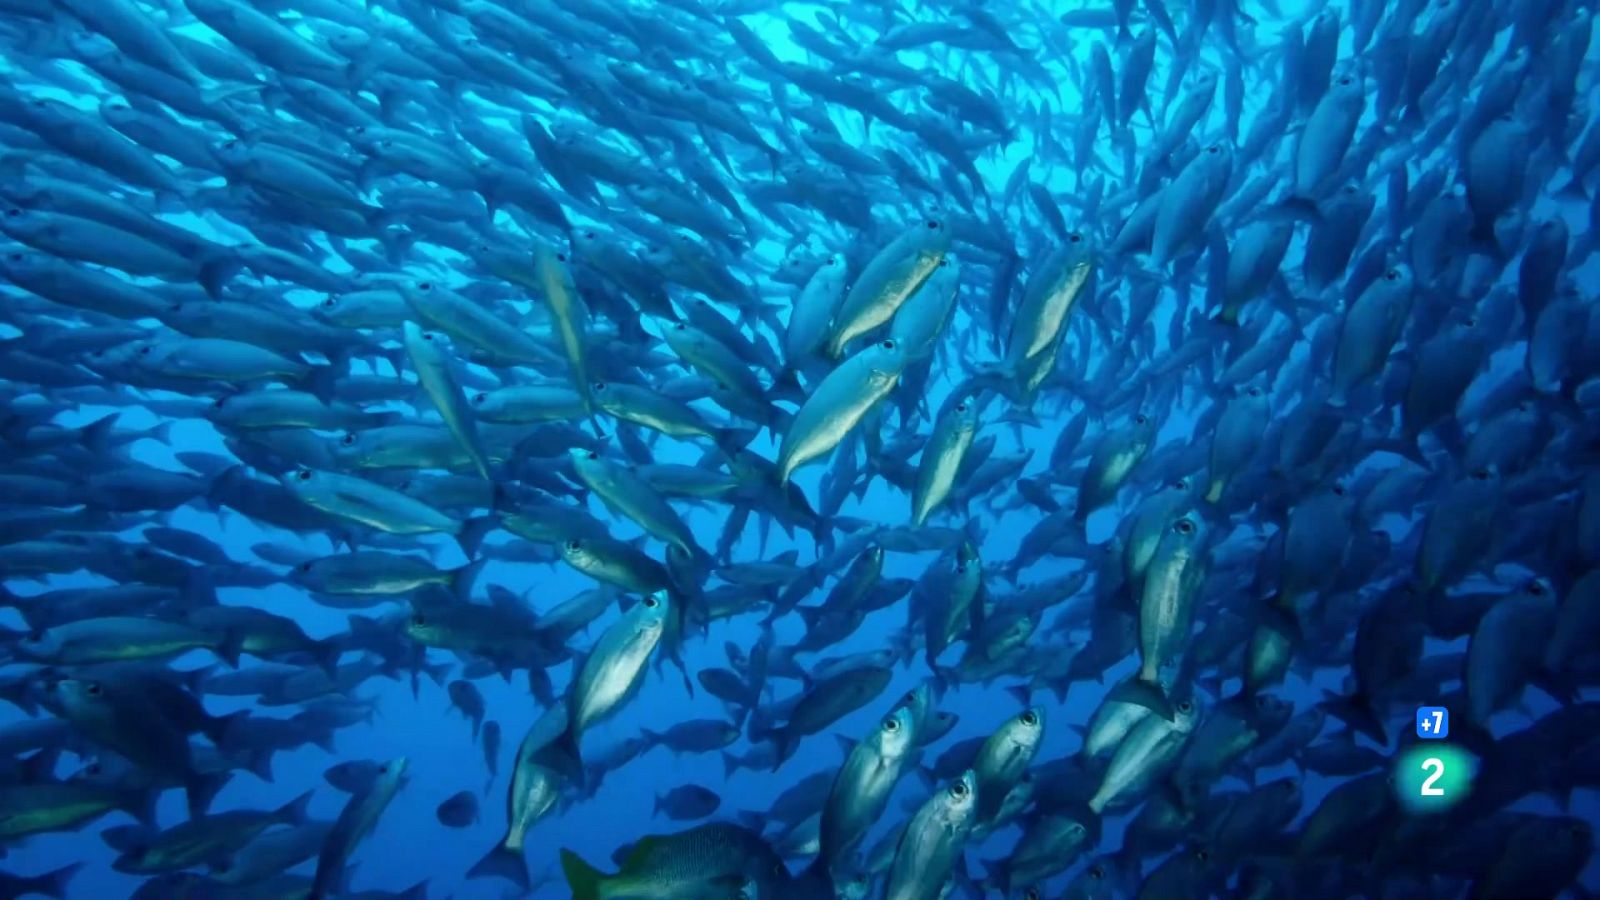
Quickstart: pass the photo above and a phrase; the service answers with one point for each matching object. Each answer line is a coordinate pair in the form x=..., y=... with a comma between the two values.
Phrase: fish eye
x=1185, y=707
x=574, y=545
x=1202, y=854
x=561, y=257
x=93, y=689
x=419, y=619
x=383, y=769
x=1182, y=484
x=1472, y=321
x=217, y=403
x=887, y=345
x=891, y=724
x=425, y=286
x=348, y=440
x=1030, y=718
x=13, y=212
x=1338, y=490
x=1075, y=237
x=650, y=602
x=427, y=335
x=304, y=567
x=1345, y=81
x=599, y=386
x=679, y=326
x=1098, y=873
x=1214, y=149
x=1183, y=526
x=1481, y=475
x=933, y=224
x=479, y=397
x=1141, y=419
x=328, y=303
x=145, y=350
x=961, y=407
x=1255, y=392
x=303, y=474
x=589, y=234
x=592, y=455
x=1391, y=275
x=958, y=790
x=1536, y=589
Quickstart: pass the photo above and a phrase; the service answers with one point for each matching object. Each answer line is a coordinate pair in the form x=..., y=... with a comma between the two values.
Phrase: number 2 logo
x=1436, y=766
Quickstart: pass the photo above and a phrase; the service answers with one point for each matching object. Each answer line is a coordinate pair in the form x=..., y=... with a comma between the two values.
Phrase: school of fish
x=1231, y=363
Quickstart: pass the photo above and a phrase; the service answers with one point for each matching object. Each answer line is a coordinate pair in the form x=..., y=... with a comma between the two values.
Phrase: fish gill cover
x=747, y=449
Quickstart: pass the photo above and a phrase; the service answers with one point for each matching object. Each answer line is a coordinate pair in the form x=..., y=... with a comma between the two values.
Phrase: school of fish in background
x=855, y=357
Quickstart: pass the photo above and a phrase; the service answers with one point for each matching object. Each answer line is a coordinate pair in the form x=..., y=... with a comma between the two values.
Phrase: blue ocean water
x=409, y=846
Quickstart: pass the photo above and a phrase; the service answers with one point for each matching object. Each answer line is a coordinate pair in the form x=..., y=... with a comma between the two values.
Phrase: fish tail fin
x=462, y=579
x=95, y=435
x=295, y=811
x=786, y=386
x=141, y=804
x=1573, y=190
x=218, y=270
x=582, y=879
x=218, y=728
x=260, y=763
x=1483, y=241
x=503, y=862
x=52, y=883
x=1408, y=447
x=945, y=678
x=1302, y=209
x=1356, y=712
x=1555, y=684
x=733, y=440
x=565, y=755
x=202, y=789
x=472, y=533
x=652, y=740
x=787, y=743
x=1146, y=693
x=214, y=94
x=326, y=654
x=322, y=382
x=1227, y=318
x=229, y=648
